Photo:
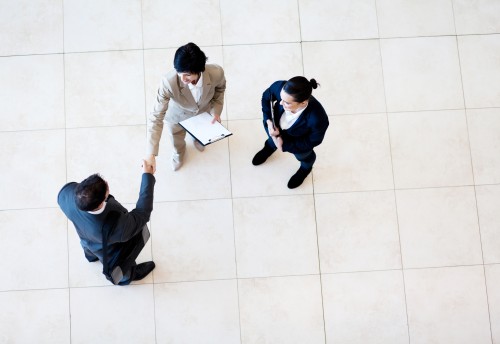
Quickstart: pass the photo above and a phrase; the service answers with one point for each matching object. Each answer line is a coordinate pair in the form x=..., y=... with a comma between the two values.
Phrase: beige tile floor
x=394, y=238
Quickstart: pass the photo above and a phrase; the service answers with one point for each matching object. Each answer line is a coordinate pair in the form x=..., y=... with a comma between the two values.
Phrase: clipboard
x=272, y=111
x=202, y=129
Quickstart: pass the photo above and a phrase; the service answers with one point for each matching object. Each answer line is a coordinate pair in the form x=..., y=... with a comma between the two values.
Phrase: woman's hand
x=278, y=141
x=151, y=160
x=272, y=130
x=275, y=135
x=216, y=118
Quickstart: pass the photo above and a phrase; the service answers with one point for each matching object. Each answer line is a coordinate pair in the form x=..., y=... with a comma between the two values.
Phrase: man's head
x=91, y=192
x=189, y=62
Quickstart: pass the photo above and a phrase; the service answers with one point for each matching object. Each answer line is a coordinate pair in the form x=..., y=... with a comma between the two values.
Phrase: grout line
x=231, y=187
x=393, y=181
x=314, y=199
x=251, y=44
x=472, y=173
x=314, y=193
x=146, y=128
x=220, y=18
x=236, y=270
x=66, y=172
x=256, y=277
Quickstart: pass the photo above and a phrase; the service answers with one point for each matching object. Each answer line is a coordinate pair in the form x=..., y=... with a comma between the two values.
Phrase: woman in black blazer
x=296, y=123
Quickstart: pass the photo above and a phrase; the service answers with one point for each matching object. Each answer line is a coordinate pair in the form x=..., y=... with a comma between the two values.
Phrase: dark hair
x=300, y=88
x=189, y=59
x=90, y=192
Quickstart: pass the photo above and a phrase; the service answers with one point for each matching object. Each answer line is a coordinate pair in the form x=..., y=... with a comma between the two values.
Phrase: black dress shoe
x=142, y=270
x=262, y=155
x=298, y=177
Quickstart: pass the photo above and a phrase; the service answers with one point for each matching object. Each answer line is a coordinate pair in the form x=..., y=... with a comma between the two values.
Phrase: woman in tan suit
x=193, y=87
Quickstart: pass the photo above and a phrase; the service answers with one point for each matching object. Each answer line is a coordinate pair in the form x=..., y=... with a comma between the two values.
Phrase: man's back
x=89, y=226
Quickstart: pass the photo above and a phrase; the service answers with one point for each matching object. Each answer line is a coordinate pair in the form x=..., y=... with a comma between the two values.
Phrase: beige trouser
x=177, y=135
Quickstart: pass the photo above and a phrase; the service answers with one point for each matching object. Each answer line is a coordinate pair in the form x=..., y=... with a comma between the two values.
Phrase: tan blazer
x=175, y=102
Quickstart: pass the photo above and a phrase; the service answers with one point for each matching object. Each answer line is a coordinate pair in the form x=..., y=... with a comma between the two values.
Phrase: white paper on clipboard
x=202, y=129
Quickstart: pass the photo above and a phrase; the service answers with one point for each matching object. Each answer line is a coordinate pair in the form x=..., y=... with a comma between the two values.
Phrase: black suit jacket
x=89, y=226
x=309, y=129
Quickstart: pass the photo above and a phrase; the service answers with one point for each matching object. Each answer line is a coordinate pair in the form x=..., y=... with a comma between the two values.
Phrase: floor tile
x=365, y=308
x=31, y=27
x=115, y=314
x=258, y=66
x=37, y=159
x=271, y=245
x=488, y=199
x=421, y=74
x=42, y=107
x=203, y=175
x=197, y=312
x=477, y=16
x=106, y=156
x=81, y=272
x=259, y=21
x=357, y=231
x=281, y=310
x=480, y=61
x=484, y=126
x=168, y=26
x=158, y=62
x=493, y=286
x=104, y=89
x=438, y=227
x=85, y=274
x=430, y=149
x=407, y=18
x=102, y=25
x=193, y=241
x=40, y=316
x=447, y=305
x=337, y=20
x=349, y=73
x=43, y=260
x=355, y=155
x=268, y=179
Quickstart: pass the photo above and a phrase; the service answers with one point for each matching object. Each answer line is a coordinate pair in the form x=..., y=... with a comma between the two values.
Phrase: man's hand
x=149, y=164
x=216, y=118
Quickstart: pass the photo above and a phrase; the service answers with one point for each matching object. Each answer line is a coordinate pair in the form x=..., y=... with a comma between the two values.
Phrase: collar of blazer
x=186, y=92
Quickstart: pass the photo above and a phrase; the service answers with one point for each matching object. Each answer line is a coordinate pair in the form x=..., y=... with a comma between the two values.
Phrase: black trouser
x=122, y=270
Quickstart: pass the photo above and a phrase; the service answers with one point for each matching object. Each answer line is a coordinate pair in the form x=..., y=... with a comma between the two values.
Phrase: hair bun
x=313, y=83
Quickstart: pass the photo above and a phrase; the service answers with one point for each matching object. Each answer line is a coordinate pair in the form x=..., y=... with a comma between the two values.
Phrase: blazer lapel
x=207, y=82
x=186, y=93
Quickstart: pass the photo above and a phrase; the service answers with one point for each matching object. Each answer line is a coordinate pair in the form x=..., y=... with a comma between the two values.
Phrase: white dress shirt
x=289, y=118
x=196, y=89
x=97, y=212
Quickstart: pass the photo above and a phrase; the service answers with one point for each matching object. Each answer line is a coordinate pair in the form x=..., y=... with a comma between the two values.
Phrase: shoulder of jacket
x=278, y=84
x=169, y=80
x=214, y=70
x=316, y=109
x=213, y=66
x=69, y=187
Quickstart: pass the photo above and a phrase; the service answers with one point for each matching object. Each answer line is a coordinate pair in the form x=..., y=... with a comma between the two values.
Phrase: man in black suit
x=94, y=211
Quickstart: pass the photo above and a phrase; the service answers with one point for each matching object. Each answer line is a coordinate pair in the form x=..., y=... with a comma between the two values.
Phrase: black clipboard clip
x=217, y=138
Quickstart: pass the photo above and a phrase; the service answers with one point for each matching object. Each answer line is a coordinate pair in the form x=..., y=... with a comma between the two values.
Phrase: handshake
x=148, y=167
